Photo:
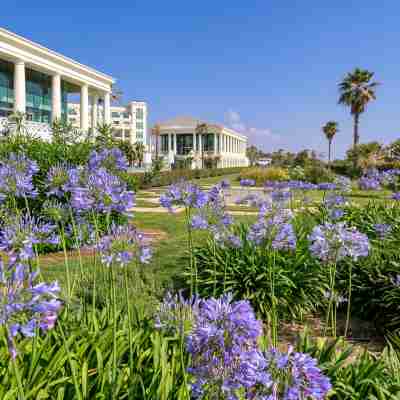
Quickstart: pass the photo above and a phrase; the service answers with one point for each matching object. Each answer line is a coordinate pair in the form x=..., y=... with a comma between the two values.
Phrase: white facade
x=128, y=122
x=36, y=81
x=181, y=138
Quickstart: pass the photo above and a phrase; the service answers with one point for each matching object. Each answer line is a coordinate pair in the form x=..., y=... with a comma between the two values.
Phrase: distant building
x=203, y=143
x=128, y=122
x=36, y=81
x=264, y=162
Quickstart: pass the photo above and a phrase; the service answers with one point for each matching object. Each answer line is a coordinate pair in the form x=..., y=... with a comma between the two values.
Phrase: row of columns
x=227, y=144
x=20, y=98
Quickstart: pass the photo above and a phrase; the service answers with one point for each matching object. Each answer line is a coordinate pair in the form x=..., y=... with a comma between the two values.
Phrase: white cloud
x=261, y=137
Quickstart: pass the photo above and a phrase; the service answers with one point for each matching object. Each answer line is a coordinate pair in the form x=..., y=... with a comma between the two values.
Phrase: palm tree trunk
x=329, y=152
x=356, y=139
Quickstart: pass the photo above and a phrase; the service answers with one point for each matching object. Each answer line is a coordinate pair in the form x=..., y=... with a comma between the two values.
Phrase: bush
x=165, y=178
x=318, y=173
x=261, y=175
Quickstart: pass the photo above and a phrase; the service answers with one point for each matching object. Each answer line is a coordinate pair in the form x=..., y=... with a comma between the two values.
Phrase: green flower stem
x=349, y=301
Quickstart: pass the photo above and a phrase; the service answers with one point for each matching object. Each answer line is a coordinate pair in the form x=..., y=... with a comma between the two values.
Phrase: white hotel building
x=180, y=138
x=37, y=81
x=129, y=122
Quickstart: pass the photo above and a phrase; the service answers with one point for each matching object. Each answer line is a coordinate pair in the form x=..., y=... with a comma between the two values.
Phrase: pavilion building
x=204, y=144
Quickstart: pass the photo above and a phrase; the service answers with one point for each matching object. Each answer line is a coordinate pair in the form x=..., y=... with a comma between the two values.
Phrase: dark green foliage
x=300, y=279
x=356, y=374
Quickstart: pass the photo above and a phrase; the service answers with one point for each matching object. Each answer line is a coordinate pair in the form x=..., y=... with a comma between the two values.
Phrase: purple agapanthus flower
x=247, y=182
x=19, y=236
x=382, y=230
x=113, y=160
x=122, y=245
x=184, y=194
x=285, y=238
x=332, y=242
x=59, y=180
x=16, y=175
x=26, y=306
x=224, y=349
x=396, y=196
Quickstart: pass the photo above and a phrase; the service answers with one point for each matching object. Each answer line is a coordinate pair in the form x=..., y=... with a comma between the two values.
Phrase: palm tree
x=330, y=129
x=356, y=90
x=139, y=150
x=202, y=129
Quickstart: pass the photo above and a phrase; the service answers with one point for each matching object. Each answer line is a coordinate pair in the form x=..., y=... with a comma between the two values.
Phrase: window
x=72, y=111
x=164, y=143
x=208, y=142
x=139, y=125
x=184, y=144
x=115, y=114
x=139, y=113
x=139, y=134
x=116, y=122
x=126, y=115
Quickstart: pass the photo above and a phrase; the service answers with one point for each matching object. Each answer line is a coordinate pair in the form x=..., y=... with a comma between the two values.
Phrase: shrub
x=318, y=173
x=261, y=175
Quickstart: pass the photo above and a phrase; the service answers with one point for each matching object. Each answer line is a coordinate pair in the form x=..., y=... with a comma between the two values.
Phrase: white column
x=19, y=87
x=55, y=97
x=215, y=144
x=95, y=101
x=84, y=108
x=107, y=108
x=194, y=142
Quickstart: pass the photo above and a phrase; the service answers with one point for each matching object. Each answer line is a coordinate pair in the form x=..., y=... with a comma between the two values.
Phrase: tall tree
x=139, y=150
x=356, y=90
x=330, y=129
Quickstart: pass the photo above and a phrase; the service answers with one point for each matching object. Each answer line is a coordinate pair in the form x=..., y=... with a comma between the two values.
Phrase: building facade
x=128, y=122
x=203, y=144
x=37, y=81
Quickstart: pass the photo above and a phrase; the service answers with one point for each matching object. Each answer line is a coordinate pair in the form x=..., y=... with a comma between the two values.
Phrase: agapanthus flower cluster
x=16, y=175
x=285, y=238
x=325, y=186
x=396, y=196
x=247, y=182
x=183, y=194
x=343, y=184
x=223, y=345
x=122, y=245
x=295, y=376
x=333, y=242
x=369, y=183
x=103, y=193
x=112, y=160
x=26, y=307
x=20, y=235
x=336, y=297
x=59, y=180
x=176, y=315
x=382, y=230
x=334, y=204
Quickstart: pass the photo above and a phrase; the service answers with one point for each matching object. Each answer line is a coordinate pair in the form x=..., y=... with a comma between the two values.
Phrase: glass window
x=139, y=134
x=184, y=144
x=116, y=122
x=164, y=143
x=6, y=88
x=38, y=96
x=208, y=142
x=139, y=113
x=139, y=125
x=115, y=114
x=126, y=115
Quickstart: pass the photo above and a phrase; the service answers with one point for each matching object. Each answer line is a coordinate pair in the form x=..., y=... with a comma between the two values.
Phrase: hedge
x=166, y=178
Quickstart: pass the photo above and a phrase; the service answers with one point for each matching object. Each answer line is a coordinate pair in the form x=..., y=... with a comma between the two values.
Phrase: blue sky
x=269, y=67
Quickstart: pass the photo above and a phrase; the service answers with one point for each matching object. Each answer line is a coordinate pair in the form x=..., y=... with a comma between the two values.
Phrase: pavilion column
x=84, y=108
x=95, y=102
x=194, y=142
x=107, y=108
x=56, y=97
x=19, y=87
x=215, y=143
